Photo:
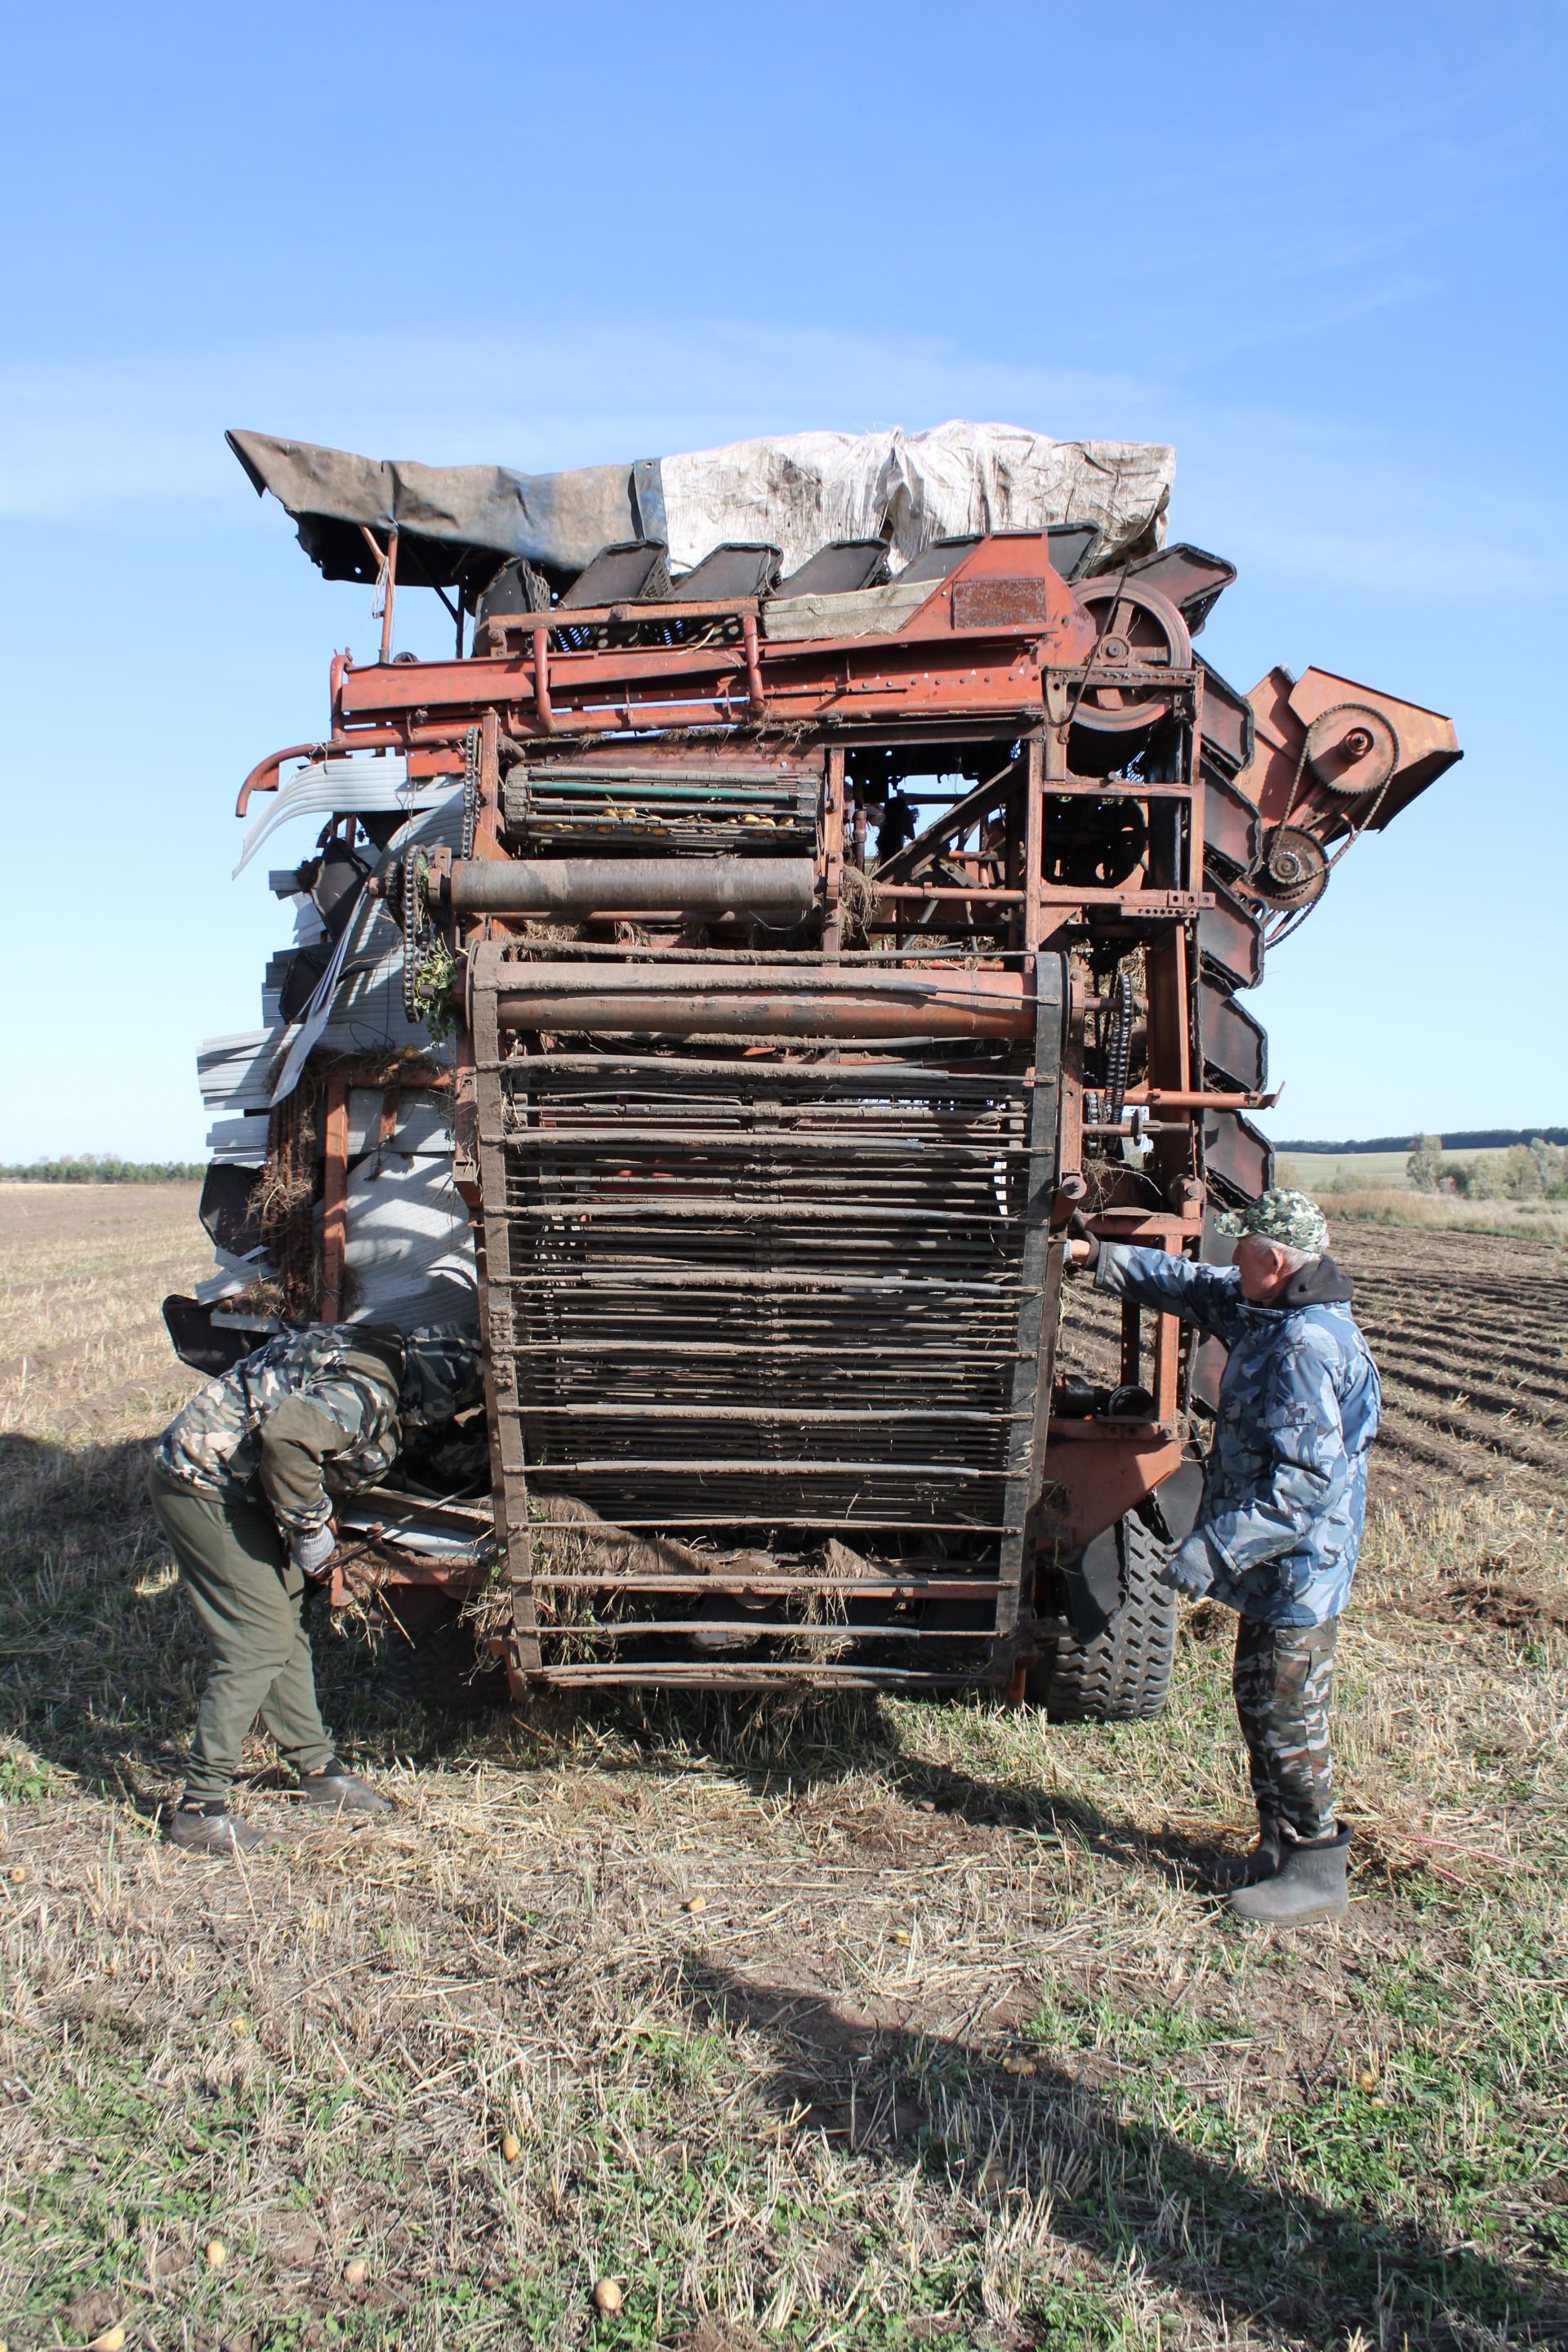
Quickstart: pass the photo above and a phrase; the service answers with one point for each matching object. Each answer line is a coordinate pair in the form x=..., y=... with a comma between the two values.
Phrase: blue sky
x=1319, y=249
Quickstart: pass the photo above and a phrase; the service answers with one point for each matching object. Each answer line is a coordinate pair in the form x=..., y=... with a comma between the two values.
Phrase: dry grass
x=1540, y=1221
x=868, y=2025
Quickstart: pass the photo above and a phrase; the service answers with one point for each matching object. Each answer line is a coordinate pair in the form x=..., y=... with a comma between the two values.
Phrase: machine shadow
x=803, y=1746
x=1267, y=2259
x=102, y=1667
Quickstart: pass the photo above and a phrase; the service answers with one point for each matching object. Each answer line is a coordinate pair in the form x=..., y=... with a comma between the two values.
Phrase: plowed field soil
x=1471, y=1334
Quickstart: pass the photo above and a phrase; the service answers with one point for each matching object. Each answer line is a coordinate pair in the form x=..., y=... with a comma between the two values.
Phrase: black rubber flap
x=196, y=1343
x=1074, y=546
x=839, y=570
x=739, y=568
x=228, y=1220
x=1234, y=1045
x=516, y=588
x=1094, y=1585
x=636, y=572
x=306, y=967
x=943, y=556
x=1192, y=578
x=1173, y=1506
x=340, y=873
x=1230, y=937
x=1233, y=830
x=1236, y=1157
x=1228, y=723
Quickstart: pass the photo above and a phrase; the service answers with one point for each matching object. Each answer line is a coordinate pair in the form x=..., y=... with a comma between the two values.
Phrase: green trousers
x=249, y=1595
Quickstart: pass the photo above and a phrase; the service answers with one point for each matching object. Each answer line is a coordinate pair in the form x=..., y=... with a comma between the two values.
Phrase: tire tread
x=1122, y=1674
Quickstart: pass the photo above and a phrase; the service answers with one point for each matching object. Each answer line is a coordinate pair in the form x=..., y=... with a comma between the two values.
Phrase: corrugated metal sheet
x=235, y=1073
x=356, y=786
x=409, y=1252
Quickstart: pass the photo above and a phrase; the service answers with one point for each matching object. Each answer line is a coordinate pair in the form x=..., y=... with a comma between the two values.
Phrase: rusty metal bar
x=1040, y=1266
x=817, y=1524
x=334, y=1194
x=678, y=1673
x=803, y=1416
x=1044, y=757
x=756, y=694
x=1178, y=1098
x=782, y=890
x=983, y=893
x=263, y=777
x=719, y=1001
x=544, y=710
x=389, y=593
x=831, y=851
x=746, y=1629
x=754, y=1466
x=874, y=1588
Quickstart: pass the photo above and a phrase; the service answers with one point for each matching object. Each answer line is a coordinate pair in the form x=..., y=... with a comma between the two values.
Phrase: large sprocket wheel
x=1351, y=749
x=1293, y=871
x=1135, y=628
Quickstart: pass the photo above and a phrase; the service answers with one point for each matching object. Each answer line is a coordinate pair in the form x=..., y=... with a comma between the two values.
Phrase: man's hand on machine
x=1082, y=1252
x=1187, y=1569
x=314, y=1548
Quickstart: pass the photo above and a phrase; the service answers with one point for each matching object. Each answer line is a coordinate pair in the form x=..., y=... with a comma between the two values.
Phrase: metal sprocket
x=1294, y=872
x=1351, y=749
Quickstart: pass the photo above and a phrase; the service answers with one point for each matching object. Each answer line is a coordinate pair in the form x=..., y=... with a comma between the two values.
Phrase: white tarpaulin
x=806, y=490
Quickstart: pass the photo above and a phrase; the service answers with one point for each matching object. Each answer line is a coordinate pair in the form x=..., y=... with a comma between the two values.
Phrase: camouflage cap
x=443, y=1371
x=1291, y=1219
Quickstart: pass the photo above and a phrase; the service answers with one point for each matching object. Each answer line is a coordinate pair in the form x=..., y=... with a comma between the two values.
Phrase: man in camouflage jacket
x=1279, y=1527
x=245, y=1481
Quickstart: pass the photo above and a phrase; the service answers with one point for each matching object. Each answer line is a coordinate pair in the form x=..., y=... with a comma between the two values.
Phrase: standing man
x=1277, y=1534
x=243, y=1482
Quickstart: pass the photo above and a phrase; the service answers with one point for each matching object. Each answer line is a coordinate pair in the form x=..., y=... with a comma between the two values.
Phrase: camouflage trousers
x=1283, y=1680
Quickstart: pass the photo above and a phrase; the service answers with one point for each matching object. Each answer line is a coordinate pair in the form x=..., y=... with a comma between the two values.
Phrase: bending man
x=243, y=1482
x=1278, y=1535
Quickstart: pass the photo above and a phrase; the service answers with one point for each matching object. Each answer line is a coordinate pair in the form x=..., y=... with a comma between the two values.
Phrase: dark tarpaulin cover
x=456, y=524
x=798, y=492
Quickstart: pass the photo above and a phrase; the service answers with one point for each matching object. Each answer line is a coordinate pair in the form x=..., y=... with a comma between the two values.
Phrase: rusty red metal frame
x=1003, y=651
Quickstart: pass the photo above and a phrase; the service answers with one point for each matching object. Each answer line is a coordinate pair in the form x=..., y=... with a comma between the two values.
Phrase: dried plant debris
x=841, y=2023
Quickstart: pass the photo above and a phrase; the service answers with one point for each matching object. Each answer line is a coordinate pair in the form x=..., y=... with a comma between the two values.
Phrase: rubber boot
x=335, y=1789
x=1310, y=1885
x=1248, y=1869
x=211, y=1829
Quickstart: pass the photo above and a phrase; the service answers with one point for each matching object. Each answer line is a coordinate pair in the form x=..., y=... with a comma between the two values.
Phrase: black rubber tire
x=442, y=1669
x=1122, y=1673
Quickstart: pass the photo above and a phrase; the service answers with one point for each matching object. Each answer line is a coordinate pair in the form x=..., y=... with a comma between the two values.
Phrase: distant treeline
x=90, y=1168
x=1478, y=1138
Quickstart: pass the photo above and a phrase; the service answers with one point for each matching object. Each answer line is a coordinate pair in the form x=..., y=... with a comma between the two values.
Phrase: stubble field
x=864, y=2025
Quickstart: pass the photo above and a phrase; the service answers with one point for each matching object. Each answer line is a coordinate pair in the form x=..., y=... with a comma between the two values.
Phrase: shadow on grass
x=794, y=1747
x=1117, y=2189
x=102, y=1668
